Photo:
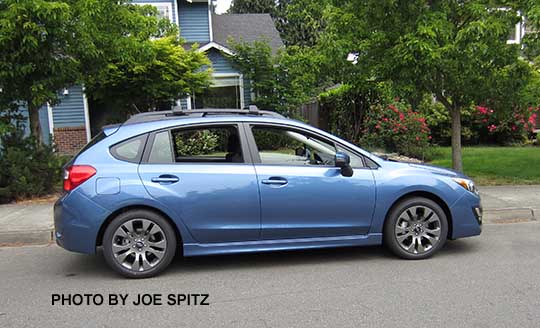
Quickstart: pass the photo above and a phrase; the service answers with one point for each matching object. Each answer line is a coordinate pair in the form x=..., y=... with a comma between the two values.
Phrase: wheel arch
x=425, y=194
x=113, y=215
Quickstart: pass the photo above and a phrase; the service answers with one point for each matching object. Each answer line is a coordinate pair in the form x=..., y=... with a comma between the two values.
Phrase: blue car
x=207, y=182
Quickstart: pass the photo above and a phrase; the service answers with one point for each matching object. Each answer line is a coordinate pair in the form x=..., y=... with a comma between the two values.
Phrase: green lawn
x=495, y=165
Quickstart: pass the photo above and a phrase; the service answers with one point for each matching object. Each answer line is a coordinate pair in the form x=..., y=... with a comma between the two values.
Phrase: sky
x=222, y=6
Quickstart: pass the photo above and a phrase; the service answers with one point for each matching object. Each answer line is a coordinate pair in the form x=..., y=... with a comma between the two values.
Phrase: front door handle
x=279, y=181
x=166, y=178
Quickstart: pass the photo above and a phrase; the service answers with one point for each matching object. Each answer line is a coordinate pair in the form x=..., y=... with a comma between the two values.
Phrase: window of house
x=220, y=144
x=288, y=147
x=225, y=92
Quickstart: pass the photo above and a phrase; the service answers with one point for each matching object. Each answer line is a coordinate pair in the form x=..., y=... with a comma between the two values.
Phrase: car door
x=302, y=193
x=205, y=175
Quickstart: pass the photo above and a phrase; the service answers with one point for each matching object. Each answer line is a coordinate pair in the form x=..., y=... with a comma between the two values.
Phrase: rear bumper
x=77, y=220
x=467, y=216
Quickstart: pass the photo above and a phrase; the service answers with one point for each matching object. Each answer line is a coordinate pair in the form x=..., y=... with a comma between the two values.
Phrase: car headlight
x=467, y=184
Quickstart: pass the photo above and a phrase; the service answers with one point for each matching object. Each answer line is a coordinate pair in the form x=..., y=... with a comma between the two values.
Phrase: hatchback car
x=208, y=182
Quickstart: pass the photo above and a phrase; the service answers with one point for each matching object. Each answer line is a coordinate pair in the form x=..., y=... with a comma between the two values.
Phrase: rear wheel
x=416, y=228
x=139, y=244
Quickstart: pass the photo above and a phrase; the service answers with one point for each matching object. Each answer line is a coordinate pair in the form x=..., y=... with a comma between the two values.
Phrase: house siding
x=70, y=111
x=193, y=21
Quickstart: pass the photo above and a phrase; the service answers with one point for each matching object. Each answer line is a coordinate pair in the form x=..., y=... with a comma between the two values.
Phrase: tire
x=139, y=244
x=416, y=228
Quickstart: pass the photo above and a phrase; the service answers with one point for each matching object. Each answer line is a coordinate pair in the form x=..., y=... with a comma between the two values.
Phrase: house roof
x=245, y=27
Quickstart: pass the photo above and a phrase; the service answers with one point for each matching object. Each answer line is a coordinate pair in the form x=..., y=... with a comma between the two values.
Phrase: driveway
x=487, y=281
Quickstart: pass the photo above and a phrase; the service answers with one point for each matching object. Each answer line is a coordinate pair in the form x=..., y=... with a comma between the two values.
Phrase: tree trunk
x=35, y=127
x=457, y=163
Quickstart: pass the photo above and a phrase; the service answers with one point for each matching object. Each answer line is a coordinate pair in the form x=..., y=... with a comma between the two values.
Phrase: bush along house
x=70, y=122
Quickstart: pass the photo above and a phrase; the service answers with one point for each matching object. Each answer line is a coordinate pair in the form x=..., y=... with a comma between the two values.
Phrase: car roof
x=179, y=113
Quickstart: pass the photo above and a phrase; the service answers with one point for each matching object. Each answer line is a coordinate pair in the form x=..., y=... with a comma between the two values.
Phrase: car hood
x=432, y=169
x=439, y=170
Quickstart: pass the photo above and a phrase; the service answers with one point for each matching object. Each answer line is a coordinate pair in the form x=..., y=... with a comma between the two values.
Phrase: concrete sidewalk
x=32, y=223
x=28, y=223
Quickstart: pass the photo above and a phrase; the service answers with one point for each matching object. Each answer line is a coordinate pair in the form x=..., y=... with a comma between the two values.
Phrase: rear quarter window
x=129, y=150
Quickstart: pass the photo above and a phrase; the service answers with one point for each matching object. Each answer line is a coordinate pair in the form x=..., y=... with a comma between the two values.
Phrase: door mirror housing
x=343, y=161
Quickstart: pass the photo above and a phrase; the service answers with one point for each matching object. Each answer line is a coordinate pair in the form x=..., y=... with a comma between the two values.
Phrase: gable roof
x=245, y=27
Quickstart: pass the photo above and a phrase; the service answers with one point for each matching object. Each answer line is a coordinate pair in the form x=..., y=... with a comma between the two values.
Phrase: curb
x=509, y=215
x=35, y=237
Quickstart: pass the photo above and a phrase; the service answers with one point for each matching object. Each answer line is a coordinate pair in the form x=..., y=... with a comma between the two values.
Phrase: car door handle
x=165, y=178
x=275, y=181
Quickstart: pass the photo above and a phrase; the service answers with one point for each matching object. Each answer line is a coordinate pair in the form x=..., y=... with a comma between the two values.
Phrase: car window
x=280, y=146
x=161, y=151
x=129, y=150
x=356, y=160
x=219, y=144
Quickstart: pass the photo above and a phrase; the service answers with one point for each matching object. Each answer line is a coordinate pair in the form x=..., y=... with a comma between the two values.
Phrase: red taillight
x=77, y=174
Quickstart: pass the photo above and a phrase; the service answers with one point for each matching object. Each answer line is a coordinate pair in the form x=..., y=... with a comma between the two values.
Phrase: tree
x=455, y=50
x=35, y=55
x=252, y=7
x=281, y=82
x=300, y=22
x=49, y=45
x=167, y=72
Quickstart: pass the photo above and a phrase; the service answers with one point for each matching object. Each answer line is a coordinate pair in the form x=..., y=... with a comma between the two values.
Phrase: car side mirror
x=343, y=161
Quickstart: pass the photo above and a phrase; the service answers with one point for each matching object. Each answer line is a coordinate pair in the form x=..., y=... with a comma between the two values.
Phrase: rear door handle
x=165, y=178
x=279, y=181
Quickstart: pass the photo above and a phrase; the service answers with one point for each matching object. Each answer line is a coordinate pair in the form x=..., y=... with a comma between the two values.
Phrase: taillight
x=77, y=174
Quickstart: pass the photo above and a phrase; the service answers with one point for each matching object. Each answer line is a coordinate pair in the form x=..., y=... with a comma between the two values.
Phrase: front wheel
x=139, y=244
x=416, y=228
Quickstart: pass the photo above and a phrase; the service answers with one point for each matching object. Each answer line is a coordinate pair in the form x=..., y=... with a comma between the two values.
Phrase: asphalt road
x=488, y=281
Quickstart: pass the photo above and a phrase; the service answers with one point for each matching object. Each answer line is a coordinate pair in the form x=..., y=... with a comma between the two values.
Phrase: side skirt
x=195, y=249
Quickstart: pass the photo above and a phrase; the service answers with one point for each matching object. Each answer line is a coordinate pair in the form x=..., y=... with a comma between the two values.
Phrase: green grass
x=495, y=165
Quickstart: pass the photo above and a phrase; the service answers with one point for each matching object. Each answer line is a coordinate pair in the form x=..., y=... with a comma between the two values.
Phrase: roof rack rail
x=178, y=111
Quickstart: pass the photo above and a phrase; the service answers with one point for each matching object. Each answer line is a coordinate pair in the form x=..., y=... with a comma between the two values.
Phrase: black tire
x=390, y=229
x=167, y=233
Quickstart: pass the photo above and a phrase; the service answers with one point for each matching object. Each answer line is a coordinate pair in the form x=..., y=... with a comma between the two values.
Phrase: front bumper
x=467, y=216
x=77, y=220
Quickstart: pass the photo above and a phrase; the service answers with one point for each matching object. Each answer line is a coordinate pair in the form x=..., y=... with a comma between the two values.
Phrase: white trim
x=217, y=46
x=241, y=84
x=86, y=116
x=188, y=103
x=51, y=119
x=156, y=4
x=210, y=29
x=177, y=13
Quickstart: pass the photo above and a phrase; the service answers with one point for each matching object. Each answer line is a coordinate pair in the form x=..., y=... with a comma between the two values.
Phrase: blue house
x=70, y=122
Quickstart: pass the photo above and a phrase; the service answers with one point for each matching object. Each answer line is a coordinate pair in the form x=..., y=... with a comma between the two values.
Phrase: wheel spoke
x=122, y=257
x=401, y=238
x=159, y=254
x=146, y=225
x=119, y=248
x=145, y=264
x=159, y=244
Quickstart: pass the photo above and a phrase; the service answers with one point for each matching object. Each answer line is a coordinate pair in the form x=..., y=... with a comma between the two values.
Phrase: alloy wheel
x=139, y=244
x=418, y=229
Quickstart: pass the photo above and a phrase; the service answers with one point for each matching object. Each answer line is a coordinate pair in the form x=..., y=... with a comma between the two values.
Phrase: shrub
x=396, y=128
x=28, y=169
x=504, y=127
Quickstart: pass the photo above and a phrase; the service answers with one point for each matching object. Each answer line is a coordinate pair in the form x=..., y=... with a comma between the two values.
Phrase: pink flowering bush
x=396, y=128
x=504, y=127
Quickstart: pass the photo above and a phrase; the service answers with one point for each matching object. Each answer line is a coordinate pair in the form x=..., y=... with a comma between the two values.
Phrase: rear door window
x=215, y=144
